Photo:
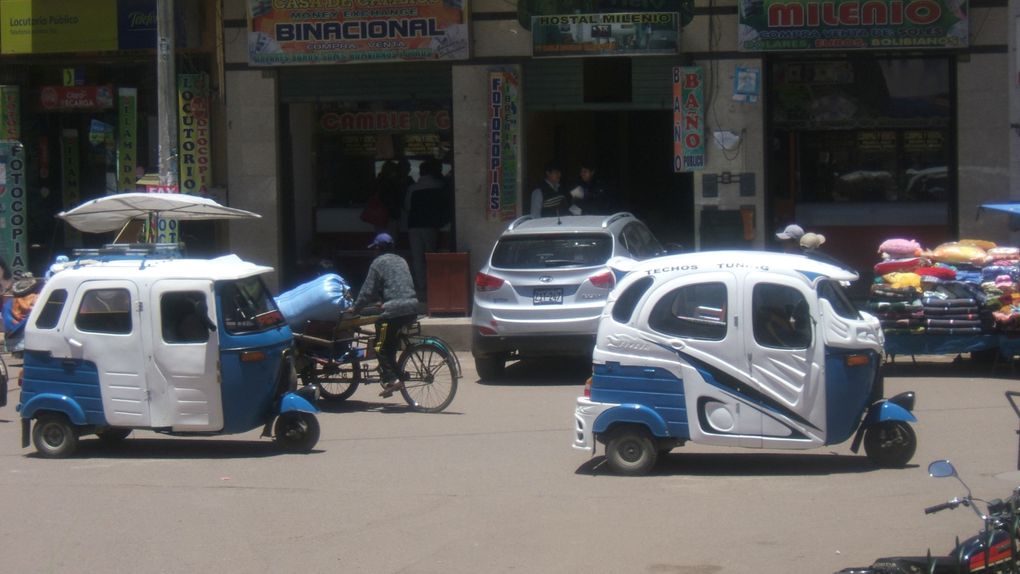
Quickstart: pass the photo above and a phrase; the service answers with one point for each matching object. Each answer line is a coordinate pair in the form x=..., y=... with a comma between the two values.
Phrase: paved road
x=493, y=486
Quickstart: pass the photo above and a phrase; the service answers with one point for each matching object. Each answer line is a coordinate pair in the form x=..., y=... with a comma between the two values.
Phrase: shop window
x=781, y=317
x=865, y=129
x=693, y=311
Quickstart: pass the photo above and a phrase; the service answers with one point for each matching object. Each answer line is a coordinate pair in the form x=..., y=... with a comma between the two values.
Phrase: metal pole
x=166, y=89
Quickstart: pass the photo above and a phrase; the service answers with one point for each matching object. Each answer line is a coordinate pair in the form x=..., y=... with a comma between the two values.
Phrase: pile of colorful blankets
x=966, y=287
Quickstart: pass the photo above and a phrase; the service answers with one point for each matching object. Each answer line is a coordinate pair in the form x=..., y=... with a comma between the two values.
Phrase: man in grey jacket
x=389, y=283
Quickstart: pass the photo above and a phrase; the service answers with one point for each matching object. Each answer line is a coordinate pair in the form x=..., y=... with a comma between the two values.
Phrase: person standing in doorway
x=428, y=210
x=595, y=199
x=548, y=200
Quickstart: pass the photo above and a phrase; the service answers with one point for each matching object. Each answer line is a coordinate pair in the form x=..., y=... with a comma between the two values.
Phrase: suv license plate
x=548, y=296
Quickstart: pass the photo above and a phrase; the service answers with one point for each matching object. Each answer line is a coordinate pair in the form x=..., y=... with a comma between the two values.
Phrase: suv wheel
x=490, y=368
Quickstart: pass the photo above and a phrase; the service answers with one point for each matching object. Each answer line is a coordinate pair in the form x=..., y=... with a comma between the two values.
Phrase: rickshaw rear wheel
x=296, y=431
x=336, y=382
x=112, y=436
x=54, y=436
x=890, y=444
x=630, y=451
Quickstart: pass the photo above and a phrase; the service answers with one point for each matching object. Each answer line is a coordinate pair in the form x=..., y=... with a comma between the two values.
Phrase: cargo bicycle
x=337, y=357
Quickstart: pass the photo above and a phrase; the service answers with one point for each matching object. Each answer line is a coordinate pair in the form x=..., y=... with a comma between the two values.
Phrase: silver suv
x=545, y=284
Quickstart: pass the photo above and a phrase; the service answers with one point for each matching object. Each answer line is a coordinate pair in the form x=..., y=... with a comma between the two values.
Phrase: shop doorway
x=632, y=152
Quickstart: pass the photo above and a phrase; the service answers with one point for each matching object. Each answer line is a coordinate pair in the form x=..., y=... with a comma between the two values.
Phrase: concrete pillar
x=475, y=233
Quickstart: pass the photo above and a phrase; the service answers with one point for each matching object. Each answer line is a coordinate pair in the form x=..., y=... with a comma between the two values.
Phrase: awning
x=1011, y=208
x=112, y=212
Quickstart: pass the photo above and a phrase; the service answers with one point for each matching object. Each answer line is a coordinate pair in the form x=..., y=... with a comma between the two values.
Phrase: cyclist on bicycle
x=389, y=283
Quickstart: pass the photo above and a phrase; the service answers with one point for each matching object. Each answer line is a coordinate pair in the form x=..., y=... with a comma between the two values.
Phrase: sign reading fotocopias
x=342, y=31
x=788, y=25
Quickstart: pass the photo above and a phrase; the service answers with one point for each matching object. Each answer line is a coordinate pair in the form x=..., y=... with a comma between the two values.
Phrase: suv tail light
x=485, y=282
x=604, y=280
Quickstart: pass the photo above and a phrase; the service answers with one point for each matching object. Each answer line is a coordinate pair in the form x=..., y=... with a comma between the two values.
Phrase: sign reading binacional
x=348, y=31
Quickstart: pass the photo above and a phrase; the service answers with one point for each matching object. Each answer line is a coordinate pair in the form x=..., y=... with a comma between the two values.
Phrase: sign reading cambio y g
x=789, y=25
x=341, y=31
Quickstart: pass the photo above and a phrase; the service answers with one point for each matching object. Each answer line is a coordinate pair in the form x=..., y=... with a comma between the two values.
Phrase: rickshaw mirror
x=941, y=469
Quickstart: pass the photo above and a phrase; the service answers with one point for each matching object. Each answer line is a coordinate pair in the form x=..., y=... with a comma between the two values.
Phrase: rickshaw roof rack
x=132, y=251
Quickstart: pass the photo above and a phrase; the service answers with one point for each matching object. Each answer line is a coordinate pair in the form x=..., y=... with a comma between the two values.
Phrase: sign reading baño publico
x=342, y=31
x=788, y=25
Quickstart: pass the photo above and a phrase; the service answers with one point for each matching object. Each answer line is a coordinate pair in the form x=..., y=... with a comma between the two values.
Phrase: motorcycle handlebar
x=940, y=507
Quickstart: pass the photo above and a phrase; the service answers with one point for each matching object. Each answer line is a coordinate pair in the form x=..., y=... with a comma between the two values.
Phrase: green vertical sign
x=69, y=161
x=13, y=244
x=127, y=138
x=10, y=113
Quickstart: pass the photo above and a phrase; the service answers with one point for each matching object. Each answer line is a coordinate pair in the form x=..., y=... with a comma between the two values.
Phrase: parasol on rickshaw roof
x=113, y=212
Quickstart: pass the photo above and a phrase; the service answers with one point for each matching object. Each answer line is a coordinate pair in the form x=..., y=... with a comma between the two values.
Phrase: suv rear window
x=566, y=250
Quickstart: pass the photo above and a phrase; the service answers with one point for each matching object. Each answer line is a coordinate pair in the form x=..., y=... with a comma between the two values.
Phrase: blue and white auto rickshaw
x=134, y=337
x=745, y=349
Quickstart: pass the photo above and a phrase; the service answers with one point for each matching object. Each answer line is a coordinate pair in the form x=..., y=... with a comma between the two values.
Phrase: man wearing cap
x=789, y=238
x=388, y=283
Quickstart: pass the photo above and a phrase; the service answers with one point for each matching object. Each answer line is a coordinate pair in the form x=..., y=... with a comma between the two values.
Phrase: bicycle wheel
x=337, y=381
x=430, y=377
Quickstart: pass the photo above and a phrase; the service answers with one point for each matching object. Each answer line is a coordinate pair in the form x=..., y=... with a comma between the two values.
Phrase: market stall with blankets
x=957, y=297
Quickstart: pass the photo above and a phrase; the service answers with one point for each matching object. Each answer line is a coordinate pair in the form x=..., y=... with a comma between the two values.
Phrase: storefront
x=862, y=144
x=79, y=85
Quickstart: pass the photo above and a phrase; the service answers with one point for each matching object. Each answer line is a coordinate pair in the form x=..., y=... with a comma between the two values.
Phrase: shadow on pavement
x=174, y=448
x=354, y=406
x=545, y=371
x=960, y=366
x=745, y=464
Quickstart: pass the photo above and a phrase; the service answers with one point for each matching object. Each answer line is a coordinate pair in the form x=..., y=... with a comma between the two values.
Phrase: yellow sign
x=48, y=26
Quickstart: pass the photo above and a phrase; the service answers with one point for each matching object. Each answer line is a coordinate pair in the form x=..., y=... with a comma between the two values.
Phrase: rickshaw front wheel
x=53, y=436
x=631, y=451
x=890, y=444
x=296, y=431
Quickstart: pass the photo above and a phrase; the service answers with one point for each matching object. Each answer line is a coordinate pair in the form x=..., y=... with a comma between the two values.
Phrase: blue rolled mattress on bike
x=321, y=299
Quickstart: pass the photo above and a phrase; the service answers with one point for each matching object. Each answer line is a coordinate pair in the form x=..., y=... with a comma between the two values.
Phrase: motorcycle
x=993, y=550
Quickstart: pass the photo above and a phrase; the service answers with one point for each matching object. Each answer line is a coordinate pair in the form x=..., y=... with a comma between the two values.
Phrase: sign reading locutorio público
x=789, y=25
x=343, y=31
x=47, y=26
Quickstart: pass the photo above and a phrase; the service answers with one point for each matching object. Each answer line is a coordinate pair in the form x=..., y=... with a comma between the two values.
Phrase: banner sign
x=127, y=138
x=527, y=9
x=688, y=119
x=10, y=113
x=342, y=31
x=195, y=155
x=70, y=165
x=13, y=208
x=504, y=132
x=632, y=34
x=791, y=25
x=57, y=98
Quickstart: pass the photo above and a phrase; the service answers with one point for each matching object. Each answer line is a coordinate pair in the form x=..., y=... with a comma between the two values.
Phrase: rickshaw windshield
x=248, y=307
x=836, y=295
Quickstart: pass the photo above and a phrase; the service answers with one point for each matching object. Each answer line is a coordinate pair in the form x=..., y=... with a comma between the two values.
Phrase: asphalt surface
x=493, y=485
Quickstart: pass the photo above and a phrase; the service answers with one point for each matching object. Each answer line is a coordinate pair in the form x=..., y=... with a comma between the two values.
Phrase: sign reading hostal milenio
x=344, y=31
x=790, y=25
x=632, y=34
